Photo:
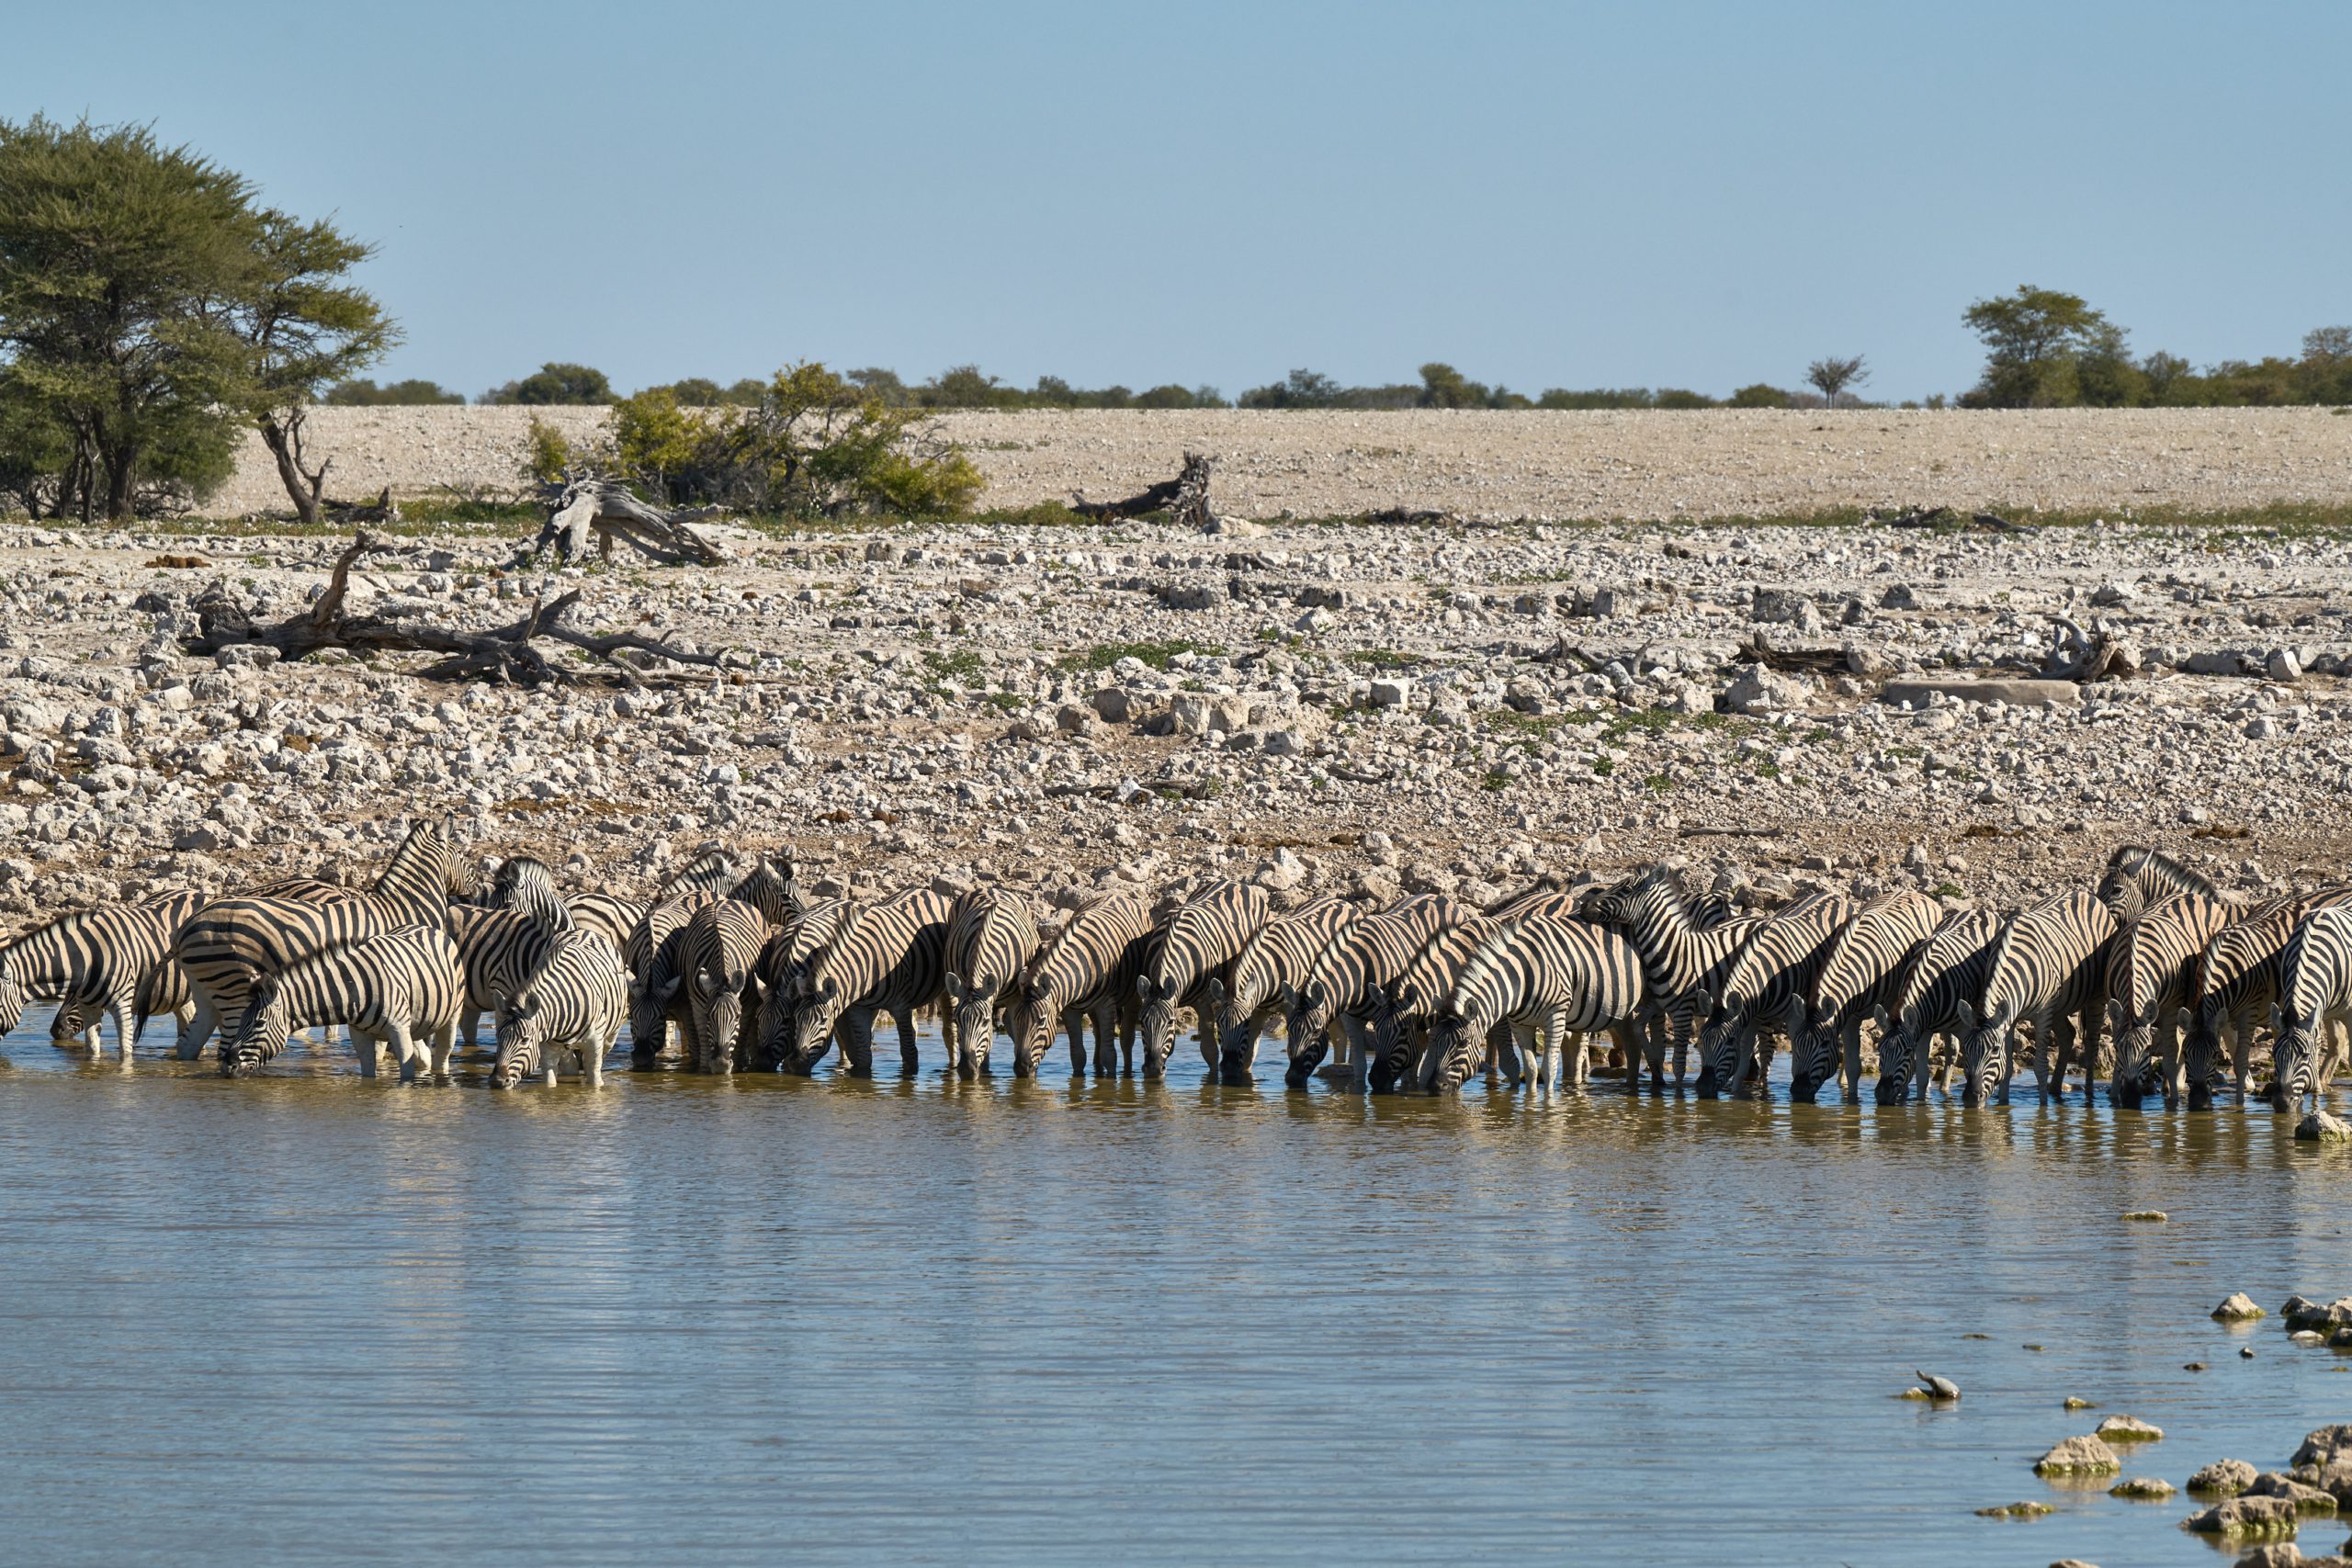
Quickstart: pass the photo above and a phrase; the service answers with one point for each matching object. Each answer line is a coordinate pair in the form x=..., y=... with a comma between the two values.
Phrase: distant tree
x=1760, y=395
x=1165, y=397
x=2161, y=373
x=1299, y=389
x=1598, y=398
x=121, y=262
x=555, y=382
x=361, y=393
x=1444, y=387
x=2035, y=341
x=874, y=381
x=1681, y=397
x=306, y=328
x=694, y=392
x=1832, y=375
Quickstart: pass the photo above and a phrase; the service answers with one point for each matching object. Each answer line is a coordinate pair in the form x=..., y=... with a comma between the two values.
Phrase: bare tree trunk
x=281, y=431
x=122, y=478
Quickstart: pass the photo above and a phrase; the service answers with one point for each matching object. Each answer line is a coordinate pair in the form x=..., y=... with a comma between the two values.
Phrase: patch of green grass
x=1948, y=890
x=962, y=665
x=1496, y=782
x=1658, y=784
x=1156, y=655
x=1768, y=769
x=1381, y=658
x=1005, y=701
x=1815, y=736
x=1908, y=753
x=1603, y=766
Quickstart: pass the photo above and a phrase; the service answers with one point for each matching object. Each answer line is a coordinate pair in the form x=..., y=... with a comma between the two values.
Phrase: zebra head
x=648, y=1016
x=813, y=1021
x=776, y=1011
x=2122, y=894
x=2201, y=1043
x=1157, y=1027
x=1307, y=1028
x=974, y=1011
x=1392, y=1047
x=522, y=1034
x=2134, y=1054
x=1453, y=1040
x=1727, y=1042
x=1985, y=1051
x=12, y=1000
x=1814, y=1055
x=1898, y=1044
x=719, y=1018
x=1036, y=1011
x=267, y=1023
x=2294, y=1059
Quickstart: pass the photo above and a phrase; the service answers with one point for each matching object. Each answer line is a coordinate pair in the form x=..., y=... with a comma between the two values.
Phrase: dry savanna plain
x=1557, y=673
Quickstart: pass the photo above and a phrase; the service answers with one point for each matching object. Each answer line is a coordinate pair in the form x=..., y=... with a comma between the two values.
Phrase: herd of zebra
x=750, y=974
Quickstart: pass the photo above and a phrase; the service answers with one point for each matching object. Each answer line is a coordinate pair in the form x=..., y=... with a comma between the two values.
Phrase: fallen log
x=607, y=511
x=500, y=653
x=383, y=509
x=1184, y=498
x=1758, y=649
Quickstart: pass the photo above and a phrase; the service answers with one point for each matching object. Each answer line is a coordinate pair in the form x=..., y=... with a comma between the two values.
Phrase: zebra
x=1402, y=1010
x=887, y=957
x=527, y=885
x=607, y=914
x=991, y=939
x=1931, y=998
x=1084, y=973
x=2048, y=969
x=573, y=1001
x=1551, y=982
x=162, y=988
x=228, y=945
x=656, y=961
x=2150, y=972
x=496, y=949
x=1199, y=939
x=1267, y=974
x=1763, y=992
x=1358, y=959
x=2137, y=878
x=94, y=963
x=400, y=988
x=2314, y=992
x=781, y=977
x=721, y=949
x=2237, y=983
x=1860, y=972
x=1684, y=960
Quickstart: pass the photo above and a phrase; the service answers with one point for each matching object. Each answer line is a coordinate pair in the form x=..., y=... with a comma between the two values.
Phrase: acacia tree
x=116, y=252
x=1832, y=375
x=2035, y=342
x=305, y=330
x=148, y=309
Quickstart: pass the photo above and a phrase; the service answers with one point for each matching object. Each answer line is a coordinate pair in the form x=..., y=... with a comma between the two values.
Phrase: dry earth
x=1355, y=709
x=1488, y=467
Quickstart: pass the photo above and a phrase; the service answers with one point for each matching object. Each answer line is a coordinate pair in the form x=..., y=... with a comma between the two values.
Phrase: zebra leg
x=119, y=1008
x=1106, y=1058
x=469, y=1025
x=197, y=1028
x=1074, y=1024
x=445, y=1045
x=1853, y=1053
x=855, y=1032
x=908, y=1062
x=1359, y=1043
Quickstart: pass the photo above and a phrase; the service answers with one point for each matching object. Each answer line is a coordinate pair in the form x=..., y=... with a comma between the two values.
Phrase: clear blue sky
x=1543, y=195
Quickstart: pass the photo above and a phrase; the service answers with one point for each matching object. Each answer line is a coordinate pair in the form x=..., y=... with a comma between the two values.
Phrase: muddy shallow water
x=311, y=1318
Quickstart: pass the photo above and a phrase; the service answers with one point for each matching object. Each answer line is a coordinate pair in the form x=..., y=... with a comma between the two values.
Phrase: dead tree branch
x=607, y=511
x=1184, y=498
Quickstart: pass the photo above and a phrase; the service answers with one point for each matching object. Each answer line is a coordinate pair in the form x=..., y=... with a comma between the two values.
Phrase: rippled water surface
x=309, y=1317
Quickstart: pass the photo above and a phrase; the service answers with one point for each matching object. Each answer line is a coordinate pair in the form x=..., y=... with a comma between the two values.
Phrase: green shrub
x=551, y=454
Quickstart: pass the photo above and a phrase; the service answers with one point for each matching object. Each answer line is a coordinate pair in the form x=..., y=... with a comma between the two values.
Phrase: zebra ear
x=1878, y=1014
x=2115, y=1019
x=1143, y=986
x=1704, y=1003
x=2186, y=1020
x=2278, y=1017
x=1966, y=1014
x=1214, y=990
x=1290, y=999
x=952, y=984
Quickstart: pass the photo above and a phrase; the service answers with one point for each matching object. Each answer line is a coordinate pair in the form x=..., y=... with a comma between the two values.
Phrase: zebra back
x=409, y=975
x=576, y=999
x=1205, y=933
x=2315, y=968
x=991, y=937
x=1538, y=963
x=1945, y=974
x=1096, y=951
x=888, y=956
x=2139, y=877
x=1777, y=964
x=1865, y=960
x=1372, y=951
x=524, y=884
x=91, y=957
x=1273, y=964
x=776, y=893
x=710, y=872
x=1682, y=960
x=2051, y=959
x=2238, y=970
x=2153, y=964
x=497, y=950
x=607, y=915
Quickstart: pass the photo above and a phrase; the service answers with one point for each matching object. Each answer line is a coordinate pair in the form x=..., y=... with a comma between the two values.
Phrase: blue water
x=307, y=1318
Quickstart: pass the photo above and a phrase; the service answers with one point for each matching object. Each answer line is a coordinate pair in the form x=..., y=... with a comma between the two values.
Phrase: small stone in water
x=2192, y=1366
x=2074, y=1403
x=2079, y=1456
x=2130, y=1430
x=2245, y=1352
x=2027, y=1510
x=2142, y=1488
x=2147, y=1216
x=2239, y=1308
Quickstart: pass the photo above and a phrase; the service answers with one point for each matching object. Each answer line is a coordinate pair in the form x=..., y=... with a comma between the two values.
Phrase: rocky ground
x=1500, y=466
x=1362, y=710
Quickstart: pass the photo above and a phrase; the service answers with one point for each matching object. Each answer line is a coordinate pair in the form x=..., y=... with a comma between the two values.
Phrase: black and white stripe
x=1763, y=991
x=2314, y=1005
x=1933, y=999
x=888, y=957
x=720, y=954
x=1684, y=959
x=1084, y=973
x=94, y=963
x=528, y=885
x=230, y=945
x=398, y=990
x=2049, y=970
x=991, y=941
x=2237, y=987
x=1402, y=1010
x=1857, y=975
x=574, y=1002
x=1199, y=940
x=1347, y=979
x=1551, y=982
x=1266, y=976
x=2151, y=981
x=2137, y=878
